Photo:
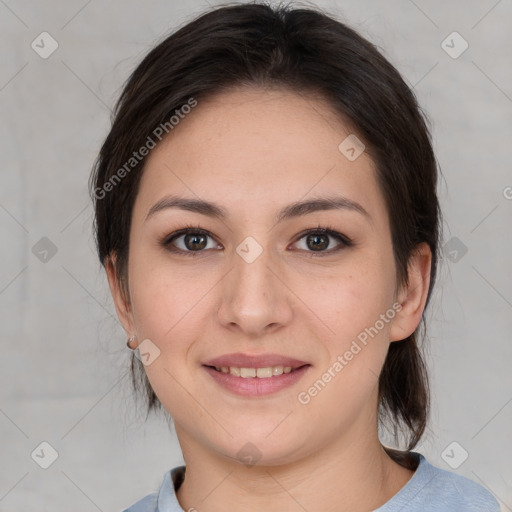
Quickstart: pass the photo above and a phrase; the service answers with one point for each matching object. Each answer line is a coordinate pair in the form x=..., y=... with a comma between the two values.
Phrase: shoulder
x=452, y=490
x=147, y=504
x=432, y=489
x=165, y=498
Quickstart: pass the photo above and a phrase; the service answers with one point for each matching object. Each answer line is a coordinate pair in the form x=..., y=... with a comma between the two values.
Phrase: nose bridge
x=252, y=272
x=253, y=296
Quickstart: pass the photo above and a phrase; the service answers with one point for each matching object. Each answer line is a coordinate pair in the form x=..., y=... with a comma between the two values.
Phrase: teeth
x=247, y=372
x=261, y=373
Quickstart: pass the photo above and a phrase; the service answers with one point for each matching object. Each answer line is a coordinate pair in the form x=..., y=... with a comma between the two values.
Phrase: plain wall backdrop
x=64, y=365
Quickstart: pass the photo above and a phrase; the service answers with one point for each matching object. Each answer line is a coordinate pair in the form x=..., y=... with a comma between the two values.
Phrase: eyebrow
x=295, y=209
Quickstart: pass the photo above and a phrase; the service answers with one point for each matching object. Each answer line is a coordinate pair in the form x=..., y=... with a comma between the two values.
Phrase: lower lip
x=254, y=386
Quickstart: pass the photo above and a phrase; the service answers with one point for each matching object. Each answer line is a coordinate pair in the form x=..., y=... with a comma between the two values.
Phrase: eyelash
x=166, y=242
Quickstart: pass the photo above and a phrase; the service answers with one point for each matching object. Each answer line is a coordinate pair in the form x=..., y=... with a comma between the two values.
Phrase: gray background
x=64, y=362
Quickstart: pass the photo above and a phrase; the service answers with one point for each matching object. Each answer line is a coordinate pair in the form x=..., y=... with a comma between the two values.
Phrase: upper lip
x=240, y=360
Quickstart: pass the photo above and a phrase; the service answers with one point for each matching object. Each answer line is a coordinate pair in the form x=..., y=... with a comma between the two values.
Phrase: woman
x=267, y=216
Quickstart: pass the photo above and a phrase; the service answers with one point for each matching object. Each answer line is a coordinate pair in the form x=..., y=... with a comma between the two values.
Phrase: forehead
x=248, y=148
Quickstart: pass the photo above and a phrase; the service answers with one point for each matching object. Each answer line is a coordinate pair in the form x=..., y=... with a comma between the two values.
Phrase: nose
x=255, y=298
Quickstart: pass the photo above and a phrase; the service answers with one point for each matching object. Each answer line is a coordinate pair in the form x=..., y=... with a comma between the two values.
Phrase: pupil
x=315, y=238
x=193, y=238
x=197, y=241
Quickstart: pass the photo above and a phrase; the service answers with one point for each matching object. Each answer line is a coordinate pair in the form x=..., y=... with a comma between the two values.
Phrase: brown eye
x=194, y=242
x=319, y=239
x=317, y=242
x=189, y=241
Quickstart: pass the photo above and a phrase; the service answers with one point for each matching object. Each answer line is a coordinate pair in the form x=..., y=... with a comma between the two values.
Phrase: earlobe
x=413, y=296
x=121, y=302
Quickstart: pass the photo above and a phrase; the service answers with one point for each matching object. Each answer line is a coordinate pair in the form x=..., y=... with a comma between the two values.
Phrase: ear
x=413, y=296
x=121, y=301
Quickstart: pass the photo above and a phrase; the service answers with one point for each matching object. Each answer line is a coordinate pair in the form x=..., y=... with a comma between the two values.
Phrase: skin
x=255, y=151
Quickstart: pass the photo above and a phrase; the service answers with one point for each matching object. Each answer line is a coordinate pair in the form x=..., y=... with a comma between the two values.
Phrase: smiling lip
x=241, y=360
x=255, y=386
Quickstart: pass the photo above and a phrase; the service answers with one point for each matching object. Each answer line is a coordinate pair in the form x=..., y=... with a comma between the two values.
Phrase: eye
x=189, y=241
x=317, y=240
x=193, y=241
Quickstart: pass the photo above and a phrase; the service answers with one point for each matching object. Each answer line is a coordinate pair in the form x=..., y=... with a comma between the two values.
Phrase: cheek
x=356, y=344
x=352, y=300
x=163, y=302
x=165, y=309
x=357, y=338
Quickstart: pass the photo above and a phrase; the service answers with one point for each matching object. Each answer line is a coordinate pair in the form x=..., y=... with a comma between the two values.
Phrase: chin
x=260, y=451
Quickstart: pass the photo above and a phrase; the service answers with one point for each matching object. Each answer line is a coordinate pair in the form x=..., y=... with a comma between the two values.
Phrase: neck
x=348, y=473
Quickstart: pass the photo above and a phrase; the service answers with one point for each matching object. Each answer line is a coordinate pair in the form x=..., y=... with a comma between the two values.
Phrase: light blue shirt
x=430, y=489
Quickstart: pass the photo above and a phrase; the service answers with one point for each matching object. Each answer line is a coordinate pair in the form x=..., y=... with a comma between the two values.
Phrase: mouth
x=263, y=372
x=255, y=382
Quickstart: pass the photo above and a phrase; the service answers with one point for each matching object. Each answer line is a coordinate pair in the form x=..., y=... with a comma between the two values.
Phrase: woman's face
x=257, y=284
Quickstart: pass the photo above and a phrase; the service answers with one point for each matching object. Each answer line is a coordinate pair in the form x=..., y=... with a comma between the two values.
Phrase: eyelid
x=168, y=240
x=343, y=240
x=326, y=231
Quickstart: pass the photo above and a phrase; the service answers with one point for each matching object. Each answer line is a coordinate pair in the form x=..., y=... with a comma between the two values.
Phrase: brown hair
x=307, y=51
